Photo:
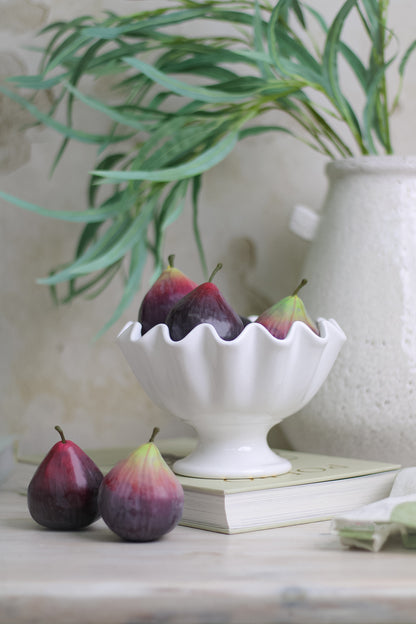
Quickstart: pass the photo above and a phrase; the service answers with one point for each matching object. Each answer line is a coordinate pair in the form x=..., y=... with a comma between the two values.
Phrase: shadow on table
x=96, y=532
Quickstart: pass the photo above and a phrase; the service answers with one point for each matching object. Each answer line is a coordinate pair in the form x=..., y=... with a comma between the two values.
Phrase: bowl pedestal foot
x=227, y=452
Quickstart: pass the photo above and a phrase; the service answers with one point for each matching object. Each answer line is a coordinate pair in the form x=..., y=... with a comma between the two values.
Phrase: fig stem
x=154, y=433
x=61, y=433
x=301, y=285
x=215, y=271
x=171, y=260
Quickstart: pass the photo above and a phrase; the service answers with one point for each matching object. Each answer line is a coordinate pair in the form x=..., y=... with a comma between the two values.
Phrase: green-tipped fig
x=141, y=499
x=279, y=318
x=167, y=290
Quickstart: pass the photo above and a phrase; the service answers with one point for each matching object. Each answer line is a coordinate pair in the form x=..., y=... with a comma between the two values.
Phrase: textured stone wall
x=51, y=370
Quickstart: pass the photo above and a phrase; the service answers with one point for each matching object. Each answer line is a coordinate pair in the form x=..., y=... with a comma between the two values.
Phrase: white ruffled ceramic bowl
x=232, y=392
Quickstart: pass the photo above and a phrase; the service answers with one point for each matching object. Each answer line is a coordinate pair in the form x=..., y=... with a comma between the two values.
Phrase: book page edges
x=265, y=509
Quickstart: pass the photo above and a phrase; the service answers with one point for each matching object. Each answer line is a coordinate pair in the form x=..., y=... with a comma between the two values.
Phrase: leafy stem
x=181, y=102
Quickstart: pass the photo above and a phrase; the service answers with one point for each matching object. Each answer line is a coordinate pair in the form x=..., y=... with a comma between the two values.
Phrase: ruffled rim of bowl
x=298, y=328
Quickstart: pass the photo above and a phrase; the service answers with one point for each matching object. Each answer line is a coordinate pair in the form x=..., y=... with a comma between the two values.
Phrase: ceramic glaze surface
x=363, y=267
x=232, y=392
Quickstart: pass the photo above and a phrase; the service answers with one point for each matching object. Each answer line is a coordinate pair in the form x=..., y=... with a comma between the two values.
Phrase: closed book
x=317, y=488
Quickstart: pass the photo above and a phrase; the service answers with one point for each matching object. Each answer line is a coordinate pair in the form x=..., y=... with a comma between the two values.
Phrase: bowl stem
x=225, y=451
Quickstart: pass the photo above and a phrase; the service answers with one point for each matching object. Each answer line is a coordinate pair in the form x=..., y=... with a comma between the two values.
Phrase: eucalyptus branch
x=183, y=103
x=382, y=106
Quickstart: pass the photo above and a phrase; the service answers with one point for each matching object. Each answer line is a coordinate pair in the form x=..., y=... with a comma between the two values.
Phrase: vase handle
x=304, y=222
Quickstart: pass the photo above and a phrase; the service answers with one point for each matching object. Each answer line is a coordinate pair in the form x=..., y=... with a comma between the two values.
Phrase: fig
x=63, y=492
x=141, y=499
x=170, y=286
x=204, y=304
x=279, y=318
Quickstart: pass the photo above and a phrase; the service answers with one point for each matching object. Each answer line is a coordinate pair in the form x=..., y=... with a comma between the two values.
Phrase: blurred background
x=52, y=371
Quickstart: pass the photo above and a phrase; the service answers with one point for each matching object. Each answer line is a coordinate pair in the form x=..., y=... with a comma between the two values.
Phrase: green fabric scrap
x=356, y=534
x=409, y=540
x=405, y=513
x=369, y=527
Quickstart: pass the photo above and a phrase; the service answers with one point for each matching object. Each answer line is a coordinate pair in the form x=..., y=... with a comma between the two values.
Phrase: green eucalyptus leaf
x=330, y=67
x=356, y=64
x=196, y=189
x=318, y=17
x=179, y=87
x=331, y=51
x=83, y=62
x=98, y=215
x=99, y=248
x=118, y=249
x=201, y=163
x=259, y=32
x=307, y=69
x=324, y=130
x=371, y=120
x=172, y=207
x=215, y=54
x=88, y=236
x=63, y=26
x=241, y=84
x=252, y=56
x=297, y=8
x=198, y=66
x=135, y=28
x=307, y=66
x=173, y=204
x=37, y=82
x=113, y=112
x=110, y=61
x=149, y=155
x=406, y=57
x=239, y=17
x=89, y=288
x=280, y=89
x=71, y=44
x=372, y=10
x=137, y=263
x=59, y=26
x=107, y=162
x=76, y=73
x=95, y=286
x=254, y=130
x=79, y=135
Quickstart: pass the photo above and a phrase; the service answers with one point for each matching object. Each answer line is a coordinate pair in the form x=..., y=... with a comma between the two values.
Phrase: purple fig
x=62, y=493
x=141, y=499
x=204, y=304
x=170, y=286
x=279, y=318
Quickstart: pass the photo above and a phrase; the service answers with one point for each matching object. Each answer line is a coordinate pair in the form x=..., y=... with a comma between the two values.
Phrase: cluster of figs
x=140, y=499
x=180, y=303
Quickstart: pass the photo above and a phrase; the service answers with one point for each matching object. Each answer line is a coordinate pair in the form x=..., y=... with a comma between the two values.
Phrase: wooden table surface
x=298, y=574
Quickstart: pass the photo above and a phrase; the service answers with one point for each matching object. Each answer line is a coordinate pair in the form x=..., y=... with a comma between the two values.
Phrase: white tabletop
x=286, y=575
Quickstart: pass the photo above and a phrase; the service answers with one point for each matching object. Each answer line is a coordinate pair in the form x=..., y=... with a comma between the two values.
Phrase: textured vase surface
x=362, y=271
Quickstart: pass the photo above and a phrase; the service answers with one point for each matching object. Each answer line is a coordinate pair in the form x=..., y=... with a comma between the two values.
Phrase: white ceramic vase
x=362, y=270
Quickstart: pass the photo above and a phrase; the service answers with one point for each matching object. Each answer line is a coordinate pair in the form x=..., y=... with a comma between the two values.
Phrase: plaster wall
x=51, y=370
